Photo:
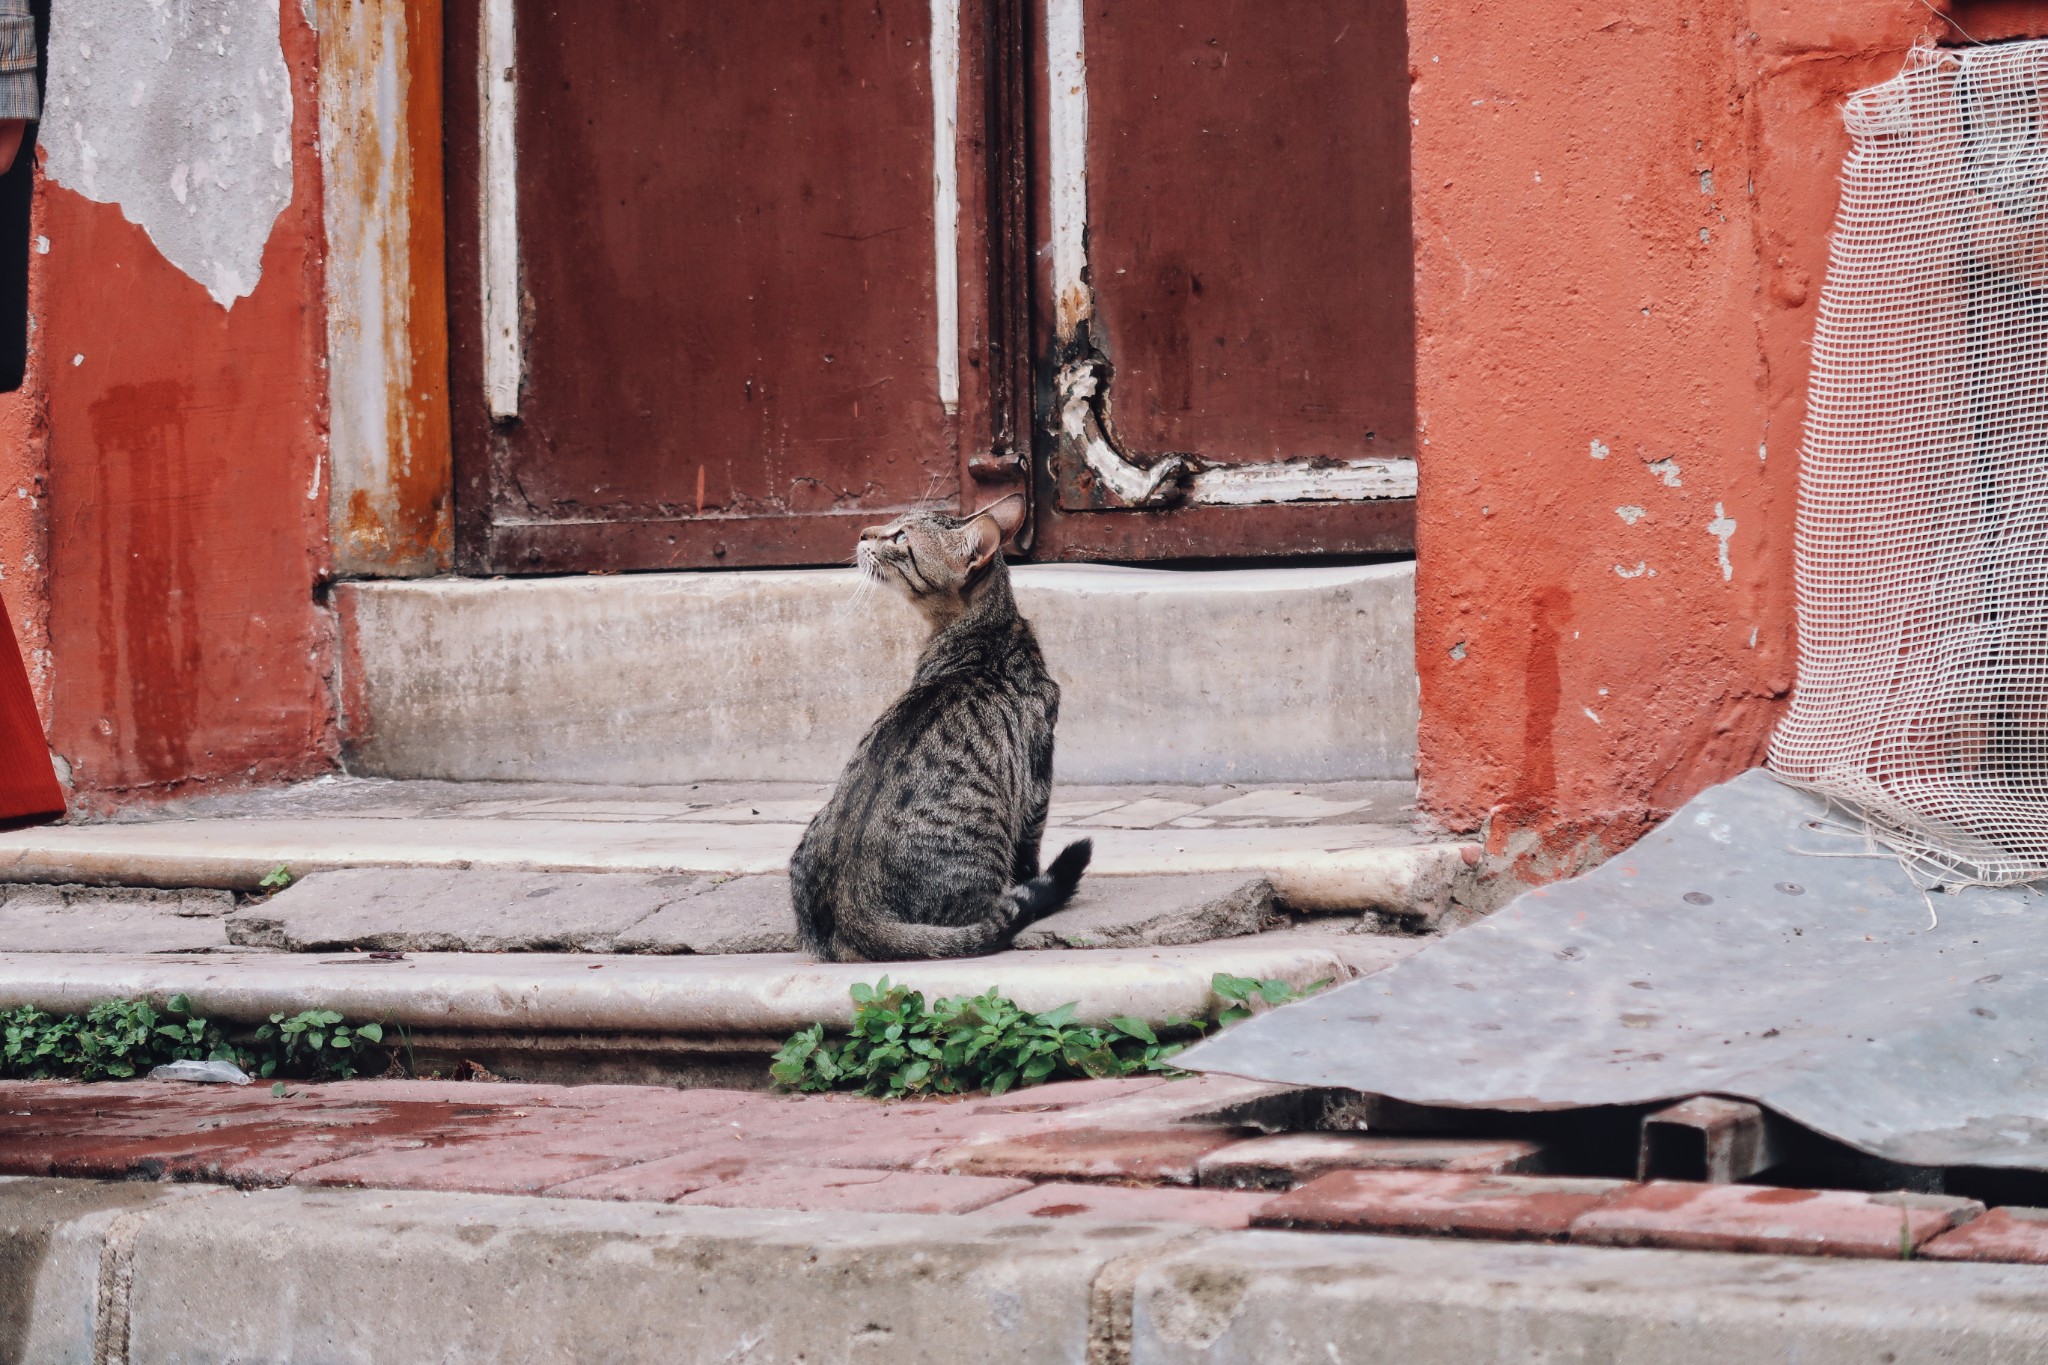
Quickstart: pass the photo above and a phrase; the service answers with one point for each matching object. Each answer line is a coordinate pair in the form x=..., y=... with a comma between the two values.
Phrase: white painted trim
x=946, y=195
x=1244, y=485
x=1067, y=116
x=504, y=360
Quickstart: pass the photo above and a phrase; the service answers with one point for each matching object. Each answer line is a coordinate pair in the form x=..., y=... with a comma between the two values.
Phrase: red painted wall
x=187, y=517
x=1621, y=218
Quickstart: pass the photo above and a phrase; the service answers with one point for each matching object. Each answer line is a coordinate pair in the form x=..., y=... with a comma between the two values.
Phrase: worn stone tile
x=827, y=1190
x=1697, y=1217
x=1441, y=1203
x=1125, y=1204
x=474, y=910
x=99, y=919
x=1141, y=814
x=1283, y=805
x=1285, y=1160
x=2011, y=1233
x=742, y=915
x=1126, y=1156
x=1135, y=912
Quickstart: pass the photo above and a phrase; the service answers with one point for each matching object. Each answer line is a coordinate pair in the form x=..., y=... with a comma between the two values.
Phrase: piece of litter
x=204, y=1073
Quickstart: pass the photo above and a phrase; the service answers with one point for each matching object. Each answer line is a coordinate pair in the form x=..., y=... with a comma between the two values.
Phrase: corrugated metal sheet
x=1734, y=951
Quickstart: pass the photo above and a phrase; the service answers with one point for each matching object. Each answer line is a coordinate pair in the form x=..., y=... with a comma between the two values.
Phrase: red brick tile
x=1134, y=1156
x=1061, y=1095
x=1672, y=1213
x=1441, y=1203
x=1209, y=1100
x=666, y=1179
x=1123, y=1204
x=1286, y=1160
x=825, y=1190
x=2005, y=1234
x=508, y=1151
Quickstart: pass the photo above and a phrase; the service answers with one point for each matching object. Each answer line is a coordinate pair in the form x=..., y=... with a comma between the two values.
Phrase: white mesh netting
x=1922, y=543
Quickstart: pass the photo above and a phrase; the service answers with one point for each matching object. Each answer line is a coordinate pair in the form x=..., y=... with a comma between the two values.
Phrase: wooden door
x=693, y=281
x=728, y=282
x=1227, y=301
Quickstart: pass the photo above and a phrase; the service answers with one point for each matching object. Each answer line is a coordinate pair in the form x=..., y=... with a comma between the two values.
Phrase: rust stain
x=402, y=524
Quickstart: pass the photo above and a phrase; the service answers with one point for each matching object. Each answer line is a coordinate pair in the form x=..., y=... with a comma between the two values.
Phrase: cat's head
x=939, y=562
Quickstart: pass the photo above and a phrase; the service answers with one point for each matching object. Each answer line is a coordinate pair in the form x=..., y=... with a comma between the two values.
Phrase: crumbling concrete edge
x=161, y=1272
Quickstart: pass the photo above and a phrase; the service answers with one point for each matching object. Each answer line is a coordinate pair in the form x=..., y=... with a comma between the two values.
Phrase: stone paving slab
x=456, y=910
x=1135, y=912
x=85, y=919
x=743, y=915
x=434, y=909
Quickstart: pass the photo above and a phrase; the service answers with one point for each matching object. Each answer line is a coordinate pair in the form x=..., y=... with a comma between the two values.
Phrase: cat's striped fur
x=929, y=845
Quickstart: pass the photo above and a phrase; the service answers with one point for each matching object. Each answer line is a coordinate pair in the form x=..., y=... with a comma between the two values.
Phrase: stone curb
x=107, y=1272
x=1342, y=869
x=748, y=995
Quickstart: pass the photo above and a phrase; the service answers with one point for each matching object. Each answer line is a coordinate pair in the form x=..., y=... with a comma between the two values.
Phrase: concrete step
x=1344, y=848
x=642, y=1019
x=146, y=1272
x=1255, y=675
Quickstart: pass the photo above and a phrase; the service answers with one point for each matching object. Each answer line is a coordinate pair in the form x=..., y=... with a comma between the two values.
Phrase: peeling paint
x=181, y=115
x=1642, y=567
x=1600, y=450
x=1721, y=528
x=1667, y=470
x=946, y=195
x=1067, y=87
x=504, y=351
x=387, y=346
x=1629, y=514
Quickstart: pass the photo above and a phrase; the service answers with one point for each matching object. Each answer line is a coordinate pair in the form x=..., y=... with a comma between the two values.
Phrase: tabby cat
x=929, y=845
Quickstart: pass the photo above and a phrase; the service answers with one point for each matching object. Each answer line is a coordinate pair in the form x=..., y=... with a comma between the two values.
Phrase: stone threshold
x=1315, y=868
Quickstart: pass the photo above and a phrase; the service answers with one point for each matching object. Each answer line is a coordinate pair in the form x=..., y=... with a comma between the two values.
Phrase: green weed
x=899, y=1046
x=120, y=1039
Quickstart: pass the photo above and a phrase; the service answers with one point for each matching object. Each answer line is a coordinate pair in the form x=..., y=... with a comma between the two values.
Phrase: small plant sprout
x=277, y=879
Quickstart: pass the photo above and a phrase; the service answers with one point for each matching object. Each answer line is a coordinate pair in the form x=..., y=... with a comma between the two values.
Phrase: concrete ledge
x=113, y=1273
x=1282, y=1298
x=399, y=1277
x=1344, y=867
x=750, y=995
x=1232, y=676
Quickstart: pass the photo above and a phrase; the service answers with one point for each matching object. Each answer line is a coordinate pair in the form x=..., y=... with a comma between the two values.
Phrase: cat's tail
x=1054, y=887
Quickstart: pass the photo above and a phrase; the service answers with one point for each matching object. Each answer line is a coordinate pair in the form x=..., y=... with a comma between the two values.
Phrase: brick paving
x=1186, y=1151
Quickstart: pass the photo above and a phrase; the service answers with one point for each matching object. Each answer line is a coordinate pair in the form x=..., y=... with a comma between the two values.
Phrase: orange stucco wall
x=1621, y=226
x=186, y=532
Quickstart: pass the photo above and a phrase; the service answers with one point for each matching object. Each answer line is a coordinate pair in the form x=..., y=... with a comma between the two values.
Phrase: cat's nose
x=875, y=533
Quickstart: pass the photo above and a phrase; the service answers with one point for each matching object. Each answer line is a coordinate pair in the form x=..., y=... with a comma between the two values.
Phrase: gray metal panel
x=1720, y=955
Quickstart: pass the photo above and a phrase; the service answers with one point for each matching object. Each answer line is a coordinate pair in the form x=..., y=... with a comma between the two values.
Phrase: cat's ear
x=991, y=526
